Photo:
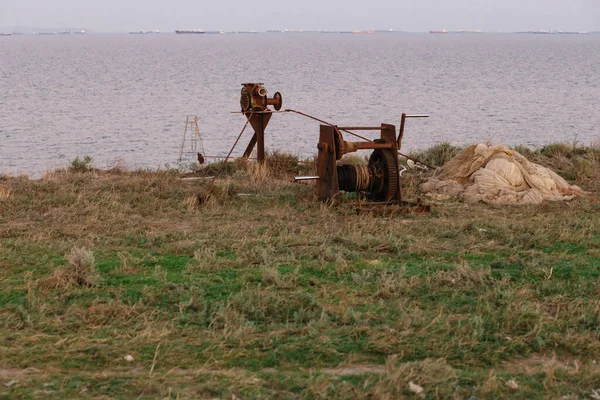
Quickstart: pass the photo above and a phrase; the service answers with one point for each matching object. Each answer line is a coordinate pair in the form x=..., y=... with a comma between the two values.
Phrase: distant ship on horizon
x=287, y=31
x=144, y=32
x=190, y=31
x=547, y=32
x=573, y=33
x=73, y=32
x=442, y=31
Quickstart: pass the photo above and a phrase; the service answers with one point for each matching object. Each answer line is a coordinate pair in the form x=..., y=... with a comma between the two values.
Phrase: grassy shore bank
x=250, y=288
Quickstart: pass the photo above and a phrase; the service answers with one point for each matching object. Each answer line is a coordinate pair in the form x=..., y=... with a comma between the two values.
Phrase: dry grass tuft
x=129, y=264
x=106, y=313
x=393, y=284
x=463, y=276
x=80, y=270
x=215, y=193
x=259, y=173
x=119, y=167
x=5, y=193
x=192, y=202
x=271, y=277
x=205, y=260
x=427, y=373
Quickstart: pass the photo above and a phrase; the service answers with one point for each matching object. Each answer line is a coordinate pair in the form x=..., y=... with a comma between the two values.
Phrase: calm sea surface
x=125, y=97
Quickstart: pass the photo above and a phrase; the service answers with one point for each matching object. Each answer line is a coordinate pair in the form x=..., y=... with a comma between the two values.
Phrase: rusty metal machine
x=379, y=179
x=255, y=106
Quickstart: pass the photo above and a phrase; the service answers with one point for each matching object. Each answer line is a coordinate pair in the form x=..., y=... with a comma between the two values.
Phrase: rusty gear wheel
x=340, y=145
x=385, y=178
x=245, y=100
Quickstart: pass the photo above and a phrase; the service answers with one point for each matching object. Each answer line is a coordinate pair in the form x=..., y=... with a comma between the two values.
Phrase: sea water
x=124, y=98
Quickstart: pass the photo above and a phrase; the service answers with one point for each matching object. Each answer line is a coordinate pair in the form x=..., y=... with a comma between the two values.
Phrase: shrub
x=437, y=155
x=282, y=164
x=81, y=165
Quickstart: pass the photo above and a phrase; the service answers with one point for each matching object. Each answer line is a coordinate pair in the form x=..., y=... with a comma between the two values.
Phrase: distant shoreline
x=63, y=32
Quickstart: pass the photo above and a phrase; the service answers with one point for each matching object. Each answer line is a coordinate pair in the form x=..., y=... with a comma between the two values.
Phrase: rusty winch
x=379, y=179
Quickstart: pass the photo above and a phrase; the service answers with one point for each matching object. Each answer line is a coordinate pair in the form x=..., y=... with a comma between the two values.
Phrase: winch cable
x=327, y=123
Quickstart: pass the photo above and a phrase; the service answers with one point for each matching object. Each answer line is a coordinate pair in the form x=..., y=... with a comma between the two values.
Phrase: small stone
x=512, y=384
x=413, y=387
x=129, y=358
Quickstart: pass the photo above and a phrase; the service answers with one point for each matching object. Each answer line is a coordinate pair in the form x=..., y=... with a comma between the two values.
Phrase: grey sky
x=420, y=15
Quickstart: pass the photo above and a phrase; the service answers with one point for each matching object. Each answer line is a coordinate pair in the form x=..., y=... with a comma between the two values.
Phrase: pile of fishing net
x=497, y=175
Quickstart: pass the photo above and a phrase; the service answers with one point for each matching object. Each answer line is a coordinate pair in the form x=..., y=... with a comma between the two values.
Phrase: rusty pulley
x=254, y=98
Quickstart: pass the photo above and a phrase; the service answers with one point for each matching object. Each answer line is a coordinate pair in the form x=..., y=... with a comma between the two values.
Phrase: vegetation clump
x=80, y=165
x=78, y=271
x=571, y=160
x=437, y=155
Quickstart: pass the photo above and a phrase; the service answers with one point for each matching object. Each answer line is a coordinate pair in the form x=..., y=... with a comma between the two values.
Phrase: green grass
x=274, y=295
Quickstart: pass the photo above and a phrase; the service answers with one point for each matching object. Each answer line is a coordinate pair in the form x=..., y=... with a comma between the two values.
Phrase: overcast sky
x=412, y=15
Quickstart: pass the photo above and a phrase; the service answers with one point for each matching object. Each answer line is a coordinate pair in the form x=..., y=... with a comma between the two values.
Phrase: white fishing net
x=497, y=175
